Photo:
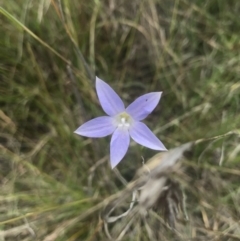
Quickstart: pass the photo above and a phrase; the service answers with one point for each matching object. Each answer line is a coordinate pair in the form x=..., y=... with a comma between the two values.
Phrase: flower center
x=123, y=120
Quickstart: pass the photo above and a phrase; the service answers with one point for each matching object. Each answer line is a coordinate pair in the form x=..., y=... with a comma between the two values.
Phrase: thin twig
x=90, y=73
x=76, y=92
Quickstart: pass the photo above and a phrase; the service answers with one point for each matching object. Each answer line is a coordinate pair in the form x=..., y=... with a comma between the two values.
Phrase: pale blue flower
x=122, y=122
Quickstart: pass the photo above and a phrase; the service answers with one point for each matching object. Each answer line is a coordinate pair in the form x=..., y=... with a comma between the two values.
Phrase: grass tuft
x=54, y=184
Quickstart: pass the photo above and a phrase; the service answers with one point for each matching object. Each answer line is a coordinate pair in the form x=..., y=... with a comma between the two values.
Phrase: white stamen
x=123, y=123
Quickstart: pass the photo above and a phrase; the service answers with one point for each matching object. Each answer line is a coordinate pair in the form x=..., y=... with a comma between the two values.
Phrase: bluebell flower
x=122, y=122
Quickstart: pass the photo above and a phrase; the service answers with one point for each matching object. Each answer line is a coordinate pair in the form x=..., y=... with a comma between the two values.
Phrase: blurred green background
x=53, y=182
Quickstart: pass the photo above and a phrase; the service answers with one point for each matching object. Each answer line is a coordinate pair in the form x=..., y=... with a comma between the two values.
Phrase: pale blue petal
x=98, y=127
x=109, y=100
x=144, y=105
x=119, y=146
x=145, y=137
